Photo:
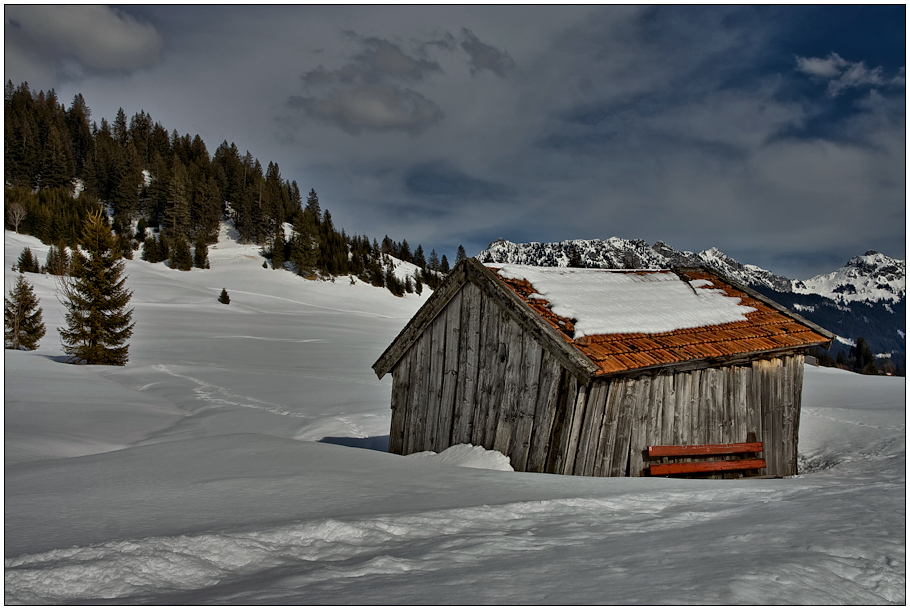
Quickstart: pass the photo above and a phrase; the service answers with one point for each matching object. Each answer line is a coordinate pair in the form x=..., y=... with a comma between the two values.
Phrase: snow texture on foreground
x=239, y=458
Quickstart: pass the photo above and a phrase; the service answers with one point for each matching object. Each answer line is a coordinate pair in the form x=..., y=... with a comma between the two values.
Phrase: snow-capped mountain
x=618, y=253
x=870, y=277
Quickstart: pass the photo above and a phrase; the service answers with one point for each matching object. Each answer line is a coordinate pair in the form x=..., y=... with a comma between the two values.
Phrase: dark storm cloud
x=379, y=61
x=367, y=93
x=73, y=40
x=441, y=181
x=483, y=56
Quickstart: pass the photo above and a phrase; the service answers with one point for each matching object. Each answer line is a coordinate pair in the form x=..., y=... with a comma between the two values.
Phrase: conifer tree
x=28, y=262
x=201, y=253
x=177, y=214
x=150, y=251
x=278, y=250
x=58, y=261
x=574, y=257
x=444, y=265
x=460, y=255
x=312, y=204
x=96, y=300
x=404, y=251
x=433, y=263
x=164, y=250
x=22, y=324
x=224, y=298
x=304, y=248
x=181, y=258
x=141, y=226
x=419, y=258
x=124, y=246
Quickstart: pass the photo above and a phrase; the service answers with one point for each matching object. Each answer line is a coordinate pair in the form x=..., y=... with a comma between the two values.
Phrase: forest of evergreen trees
x=62, y=167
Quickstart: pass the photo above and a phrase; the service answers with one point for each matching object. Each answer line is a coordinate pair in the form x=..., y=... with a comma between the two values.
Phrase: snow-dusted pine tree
x=96, y=300
x=22, y=324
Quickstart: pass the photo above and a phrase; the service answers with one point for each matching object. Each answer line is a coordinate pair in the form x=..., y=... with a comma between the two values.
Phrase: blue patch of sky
x=874, y=35
x=772, y=39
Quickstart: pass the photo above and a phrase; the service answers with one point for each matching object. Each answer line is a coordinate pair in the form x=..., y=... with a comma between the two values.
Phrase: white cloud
x=842, y=74
x=828, y=67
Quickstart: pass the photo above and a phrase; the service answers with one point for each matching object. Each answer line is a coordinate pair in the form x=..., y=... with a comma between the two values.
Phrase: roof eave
x=715, y=361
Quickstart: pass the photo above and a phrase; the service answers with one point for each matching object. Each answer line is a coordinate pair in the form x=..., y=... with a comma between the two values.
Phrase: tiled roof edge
x=758, y=296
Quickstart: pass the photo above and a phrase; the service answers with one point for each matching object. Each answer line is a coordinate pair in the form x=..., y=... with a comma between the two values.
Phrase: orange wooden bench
x=743, y=453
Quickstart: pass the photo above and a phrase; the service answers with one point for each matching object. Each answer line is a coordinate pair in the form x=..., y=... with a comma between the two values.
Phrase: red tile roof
x=765, y=329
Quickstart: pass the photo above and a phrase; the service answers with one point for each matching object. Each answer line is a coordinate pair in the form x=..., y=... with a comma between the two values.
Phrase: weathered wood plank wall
x=477, y=376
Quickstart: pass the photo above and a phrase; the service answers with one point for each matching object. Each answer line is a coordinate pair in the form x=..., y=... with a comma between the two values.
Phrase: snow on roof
x=607, y=302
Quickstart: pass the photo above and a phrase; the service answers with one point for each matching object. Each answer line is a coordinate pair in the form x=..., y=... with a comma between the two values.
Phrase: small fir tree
x=150, y=251
x=444, y=265
x=575, y=257
x=28, y=262
x=304, y=246
x=419, y=258
x=181, y=258
x=141, y=226
x=460, y=255
x=278, y=250
x=312, y=204
x=96, y=300
x=164, y=250
x=224, y=298
x=58, y=261
x=201, y=253
x=23, y=326
x=125, y=246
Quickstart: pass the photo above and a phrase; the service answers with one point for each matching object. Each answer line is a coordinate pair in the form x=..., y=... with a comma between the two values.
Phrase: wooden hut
x=580, y=371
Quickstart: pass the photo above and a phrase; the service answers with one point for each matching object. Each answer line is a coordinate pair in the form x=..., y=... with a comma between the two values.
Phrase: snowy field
x=239, y=458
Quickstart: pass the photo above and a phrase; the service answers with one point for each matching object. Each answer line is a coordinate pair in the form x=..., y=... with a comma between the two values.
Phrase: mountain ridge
x=870, y=277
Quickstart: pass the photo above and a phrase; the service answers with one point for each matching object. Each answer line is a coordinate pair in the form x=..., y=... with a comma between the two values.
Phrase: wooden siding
x=476, y=375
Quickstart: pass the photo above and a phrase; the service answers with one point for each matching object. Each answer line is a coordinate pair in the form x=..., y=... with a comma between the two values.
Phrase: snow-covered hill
x=239, y=458
x=870, y=277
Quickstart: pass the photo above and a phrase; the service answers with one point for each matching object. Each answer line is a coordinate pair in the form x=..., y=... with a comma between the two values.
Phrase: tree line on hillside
x=164, y=191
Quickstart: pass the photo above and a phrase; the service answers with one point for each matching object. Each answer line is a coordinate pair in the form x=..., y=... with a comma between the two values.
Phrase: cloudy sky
x=776, y=134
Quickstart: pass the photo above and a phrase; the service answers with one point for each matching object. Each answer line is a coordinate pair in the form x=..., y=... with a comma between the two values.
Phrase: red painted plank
x=687, y=450
x=709, y=466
